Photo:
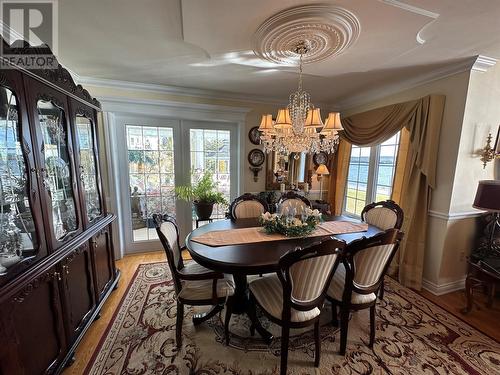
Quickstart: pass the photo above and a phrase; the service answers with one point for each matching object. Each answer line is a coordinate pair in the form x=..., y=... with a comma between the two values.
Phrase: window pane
x=151, y=176
x=386, y=166
x=357, y=180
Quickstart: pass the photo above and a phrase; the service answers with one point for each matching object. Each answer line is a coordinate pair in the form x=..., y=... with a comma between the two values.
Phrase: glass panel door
x=210, y=152
x=57, y=173
x=88, y=170
x=151, y=177
x=17, y=228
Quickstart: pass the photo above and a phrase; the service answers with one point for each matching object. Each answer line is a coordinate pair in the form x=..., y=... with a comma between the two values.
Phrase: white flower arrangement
x=291, y=226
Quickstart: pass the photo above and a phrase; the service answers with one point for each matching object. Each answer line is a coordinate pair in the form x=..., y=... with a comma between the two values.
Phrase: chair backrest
x=291, y=200
x=168, y=232
x=247, y=206
x=367, y=259
x=305, y=275
x=384, y=215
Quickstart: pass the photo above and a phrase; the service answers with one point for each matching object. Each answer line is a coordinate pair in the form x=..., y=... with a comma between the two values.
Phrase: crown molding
x=179, y=91
x=173, y=109
x=394, y=88
x=483, y=63
x=411, y=8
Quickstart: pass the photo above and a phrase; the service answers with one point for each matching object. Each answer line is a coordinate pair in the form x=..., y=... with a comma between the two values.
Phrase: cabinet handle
x=36, y=172
x=94, y=242
x=66, y=269
x=82, y=172
x=57, y=275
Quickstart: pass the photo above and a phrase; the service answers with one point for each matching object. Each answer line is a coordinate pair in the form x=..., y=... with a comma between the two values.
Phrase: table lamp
x=488, y=199
x=321, y=171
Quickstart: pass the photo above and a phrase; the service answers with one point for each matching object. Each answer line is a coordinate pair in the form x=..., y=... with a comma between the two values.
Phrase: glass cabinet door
x=88, y=170
x=18, y=237
x=57, y=178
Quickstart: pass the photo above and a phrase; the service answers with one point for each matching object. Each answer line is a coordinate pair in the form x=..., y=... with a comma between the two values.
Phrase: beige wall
x=466, y=119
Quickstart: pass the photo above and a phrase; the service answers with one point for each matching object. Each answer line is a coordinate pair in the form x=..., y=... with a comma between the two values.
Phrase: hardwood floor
x=481, y=317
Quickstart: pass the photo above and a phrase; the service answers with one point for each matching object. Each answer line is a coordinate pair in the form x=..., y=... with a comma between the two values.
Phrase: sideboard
x=57, y=263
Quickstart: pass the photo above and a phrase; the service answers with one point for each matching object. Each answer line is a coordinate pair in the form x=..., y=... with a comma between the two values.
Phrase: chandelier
x=298, y=127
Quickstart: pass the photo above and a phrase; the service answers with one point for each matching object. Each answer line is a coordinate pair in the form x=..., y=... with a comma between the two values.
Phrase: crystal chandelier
x=298, y=127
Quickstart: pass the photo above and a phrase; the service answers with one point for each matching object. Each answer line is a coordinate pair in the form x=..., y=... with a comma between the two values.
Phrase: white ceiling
x=207, y=44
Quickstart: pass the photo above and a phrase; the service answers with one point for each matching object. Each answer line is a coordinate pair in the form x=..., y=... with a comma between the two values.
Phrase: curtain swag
x=422, y=118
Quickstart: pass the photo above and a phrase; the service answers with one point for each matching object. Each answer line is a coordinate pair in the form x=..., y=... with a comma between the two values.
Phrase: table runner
x=241, y=236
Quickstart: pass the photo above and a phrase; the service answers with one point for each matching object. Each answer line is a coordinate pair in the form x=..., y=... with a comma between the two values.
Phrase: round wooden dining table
x=254, y=258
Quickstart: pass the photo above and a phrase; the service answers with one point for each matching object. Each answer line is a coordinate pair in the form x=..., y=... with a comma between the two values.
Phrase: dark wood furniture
x=213, y=283
x=385, y=215
x=361, y=279
x=56, y=254
x=482, y=274
x=245, y=198
x=253, y=259
x=304, y=277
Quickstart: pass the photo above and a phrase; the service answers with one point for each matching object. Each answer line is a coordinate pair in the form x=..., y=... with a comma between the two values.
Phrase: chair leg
x=229, y=311
x=381, y=291
x=335, y=319
x=372, y=325
x=178, y=325
x=317, y=344
x=285, y=332
x=344, y=325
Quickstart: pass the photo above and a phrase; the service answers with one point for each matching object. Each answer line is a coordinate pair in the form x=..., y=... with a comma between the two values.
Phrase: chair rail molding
x=455, y=215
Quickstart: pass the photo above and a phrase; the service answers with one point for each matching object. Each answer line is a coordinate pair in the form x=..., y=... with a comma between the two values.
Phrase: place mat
x=242, y=236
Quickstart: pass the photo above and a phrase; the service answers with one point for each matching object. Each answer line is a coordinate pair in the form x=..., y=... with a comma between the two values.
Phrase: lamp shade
x=488, y=196
x=283, y=119
x=322, y=170
x=266, y=124
x=313, y=118
x=332, y=123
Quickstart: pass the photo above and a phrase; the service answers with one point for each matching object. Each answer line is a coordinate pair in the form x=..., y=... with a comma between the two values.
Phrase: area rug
x=413, y=336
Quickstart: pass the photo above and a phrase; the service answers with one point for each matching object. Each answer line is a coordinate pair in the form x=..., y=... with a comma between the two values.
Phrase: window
x=210, y=151
x=151, y=176
x=371, y=174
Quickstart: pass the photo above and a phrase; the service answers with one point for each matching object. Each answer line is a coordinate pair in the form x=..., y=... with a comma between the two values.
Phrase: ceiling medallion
x=328, y=31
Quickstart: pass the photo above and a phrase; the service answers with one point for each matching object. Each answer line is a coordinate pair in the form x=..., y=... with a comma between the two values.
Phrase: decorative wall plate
x=320, y=158
x=256, y=157
x=254, y=135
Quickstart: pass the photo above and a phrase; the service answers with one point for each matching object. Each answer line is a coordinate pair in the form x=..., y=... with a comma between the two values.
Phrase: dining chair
x=194, y=284
x=291, y=200
x=247, y=206
x=384, y=215
x=294, y=295
x=358, y=277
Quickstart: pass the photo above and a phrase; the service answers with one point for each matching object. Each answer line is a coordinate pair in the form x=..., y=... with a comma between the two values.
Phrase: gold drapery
x=417, y=168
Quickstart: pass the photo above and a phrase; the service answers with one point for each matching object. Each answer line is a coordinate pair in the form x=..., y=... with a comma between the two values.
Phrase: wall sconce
x=255, y=171
x=487, y=153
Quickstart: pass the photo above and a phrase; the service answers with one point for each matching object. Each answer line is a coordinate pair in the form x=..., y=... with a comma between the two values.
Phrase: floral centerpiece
x=290, y=225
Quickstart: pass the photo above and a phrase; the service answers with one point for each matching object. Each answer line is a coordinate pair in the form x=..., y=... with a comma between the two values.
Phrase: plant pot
x=203, y=210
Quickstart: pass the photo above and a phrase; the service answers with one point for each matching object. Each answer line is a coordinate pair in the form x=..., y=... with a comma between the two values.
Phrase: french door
x=155, y=156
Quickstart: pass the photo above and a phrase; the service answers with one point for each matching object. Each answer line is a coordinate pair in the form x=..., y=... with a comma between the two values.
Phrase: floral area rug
x=413, y=336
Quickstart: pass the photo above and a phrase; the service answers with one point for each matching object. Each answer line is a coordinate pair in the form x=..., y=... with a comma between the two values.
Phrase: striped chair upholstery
x=248, y=209
x=382, y=217
x=202, y=289
x=337, y=288
x=308, y=278
x=288, y=204
x=269, y=293
x=169, y=230
x=370, y=263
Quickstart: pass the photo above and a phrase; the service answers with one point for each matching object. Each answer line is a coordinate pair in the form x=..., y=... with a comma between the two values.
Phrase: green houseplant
x=203, y=193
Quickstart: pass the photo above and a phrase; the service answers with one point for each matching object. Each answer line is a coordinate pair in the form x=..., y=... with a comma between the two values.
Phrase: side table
x=482, y=273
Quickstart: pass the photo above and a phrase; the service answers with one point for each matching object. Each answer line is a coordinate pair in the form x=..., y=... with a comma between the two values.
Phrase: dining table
x=257, y=258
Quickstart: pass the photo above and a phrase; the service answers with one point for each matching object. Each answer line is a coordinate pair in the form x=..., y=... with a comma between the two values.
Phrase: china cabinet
x=56, y=255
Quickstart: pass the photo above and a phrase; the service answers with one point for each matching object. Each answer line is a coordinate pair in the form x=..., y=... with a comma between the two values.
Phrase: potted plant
x=203, y=194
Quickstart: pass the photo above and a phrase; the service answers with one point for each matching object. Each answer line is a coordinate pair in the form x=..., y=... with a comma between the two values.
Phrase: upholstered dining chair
x=384, y=215
x=247, y=206
x=294, y=295
x=194, y=284
x=358, y=278
x=291, y=200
